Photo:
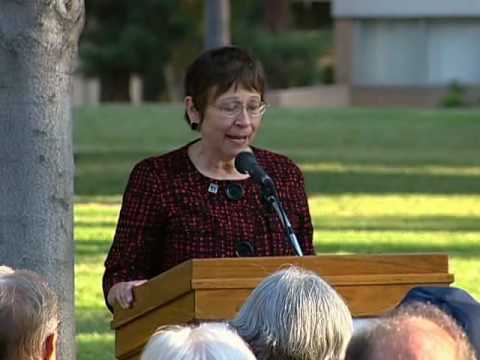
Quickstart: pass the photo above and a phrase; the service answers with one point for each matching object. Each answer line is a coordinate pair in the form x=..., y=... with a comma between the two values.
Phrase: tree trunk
x=38, y=45
x=217, y=23
x=277, y=15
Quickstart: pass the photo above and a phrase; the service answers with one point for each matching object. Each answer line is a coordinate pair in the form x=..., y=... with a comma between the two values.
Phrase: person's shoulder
x=170, y=162
x=167, y=159
x=272, y=160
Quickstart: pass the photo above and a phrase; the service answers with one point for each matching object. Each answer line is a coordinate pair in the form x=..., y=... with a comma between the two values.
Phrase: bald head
x=414, y=332
x=415, y=339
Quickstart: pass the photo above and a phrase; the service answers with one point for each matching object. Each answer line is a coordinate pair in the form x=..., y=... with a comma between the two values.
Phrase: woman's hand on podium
x=122, y=293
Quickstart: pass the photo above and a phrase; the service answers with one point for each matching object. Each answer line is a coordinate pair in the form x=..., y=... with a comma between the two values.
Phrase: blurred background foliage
x=125, y=37
x=292, y=58
x=157, y=39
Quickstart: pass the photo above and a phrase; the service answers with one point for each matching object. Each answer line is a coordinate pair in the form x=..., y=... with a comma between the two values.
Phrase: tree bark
x=38, y=45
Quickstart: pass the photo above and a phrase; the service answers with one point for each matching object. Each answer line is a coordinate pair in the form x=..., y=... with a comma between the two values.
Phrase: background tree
x=38, y=42
x=124, y=37
x=290, y=50
x=158, y=38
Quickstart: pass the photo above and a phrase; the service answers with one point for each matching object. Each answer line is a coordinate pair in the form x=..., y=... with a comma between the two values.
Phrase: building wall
x=407, y=53
x=405, y=8
x=332, y=96
x=422, y=52
x=406, y=96
x=344, y=51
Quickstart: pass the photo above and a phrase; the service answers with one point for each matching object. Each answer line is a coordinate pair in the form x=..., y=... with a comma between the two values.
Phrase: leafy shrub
x=291, y=58
x=455, y=96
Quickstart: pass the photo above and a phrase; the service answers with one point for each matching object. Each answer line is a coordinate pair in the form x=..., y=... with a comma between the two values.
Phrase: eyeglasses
x=232, y=109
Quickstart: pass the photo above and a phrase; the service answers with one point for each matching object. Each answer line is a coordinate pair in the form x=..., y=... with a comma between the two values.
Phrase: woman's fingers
x=128, y=292
x=122, y=293
x=125, y=295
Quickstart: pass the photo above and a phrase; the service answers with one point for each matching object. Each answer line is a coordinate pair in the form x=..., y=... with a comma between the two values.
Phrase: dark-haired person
x=192, y=202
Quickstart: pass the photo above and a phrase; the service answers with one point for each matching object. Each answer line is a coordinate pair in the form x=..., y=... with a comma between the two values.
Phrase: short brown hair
x=28, y=314
x=218, y=69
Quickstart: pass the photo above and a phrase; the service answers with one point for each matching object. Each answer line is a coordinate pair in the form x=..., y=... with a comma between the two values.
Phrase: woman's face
x=231, y=121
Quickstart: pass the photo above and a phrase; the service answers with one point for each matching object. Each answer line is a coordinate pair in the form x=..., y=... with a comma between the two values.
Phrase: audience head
x=294, y=314
x=28, y=316
x=207, y=341
x=215, y=71
x=417, y=331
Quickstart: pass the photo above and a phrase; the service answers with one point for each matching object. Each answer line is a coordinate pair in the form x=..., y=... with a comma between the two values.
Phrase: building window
x=416, y=52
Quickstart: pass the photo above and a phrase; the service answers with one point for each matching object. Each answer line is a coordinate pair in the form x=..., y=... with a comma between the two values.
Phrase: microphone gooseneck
x=246, y=163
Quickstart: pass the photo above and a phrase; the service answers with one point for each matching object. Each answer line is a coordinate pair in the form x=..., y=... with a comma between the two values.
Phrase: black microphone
x=246, y=163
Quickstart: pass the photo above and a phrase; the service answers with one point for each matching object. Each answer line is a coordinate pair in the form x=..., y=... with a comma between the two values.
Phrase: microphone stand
x=271, y=196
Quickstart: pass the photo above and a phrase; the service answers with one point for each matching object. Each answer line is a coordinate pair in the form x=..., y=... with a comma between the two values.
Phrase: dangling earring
x=194, y=125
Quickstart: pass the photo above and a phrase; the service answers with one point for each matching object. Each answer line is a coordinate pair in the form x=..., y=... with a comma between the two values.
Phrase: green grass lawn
x=379, y=181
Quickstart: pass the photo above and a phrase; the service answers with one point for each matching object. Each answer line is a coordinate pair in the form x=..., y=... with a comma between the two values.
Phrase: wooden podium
x=215, y=289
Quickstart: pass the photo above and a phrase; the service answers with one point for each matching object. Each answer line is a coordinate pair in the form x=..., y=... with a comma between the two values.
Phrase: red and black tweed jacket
x=170, y=213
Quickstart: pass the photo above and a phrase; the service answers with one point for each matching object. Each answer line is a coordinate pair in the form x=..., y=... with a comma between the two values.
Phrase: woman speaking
x=192, y=202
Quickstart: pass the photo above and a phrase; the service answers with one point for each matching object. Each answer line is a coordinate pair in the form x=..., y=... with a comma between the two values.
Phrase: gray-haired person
x=28, y=316
x=294, y=314
x=207, y=341
x=417, y=331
